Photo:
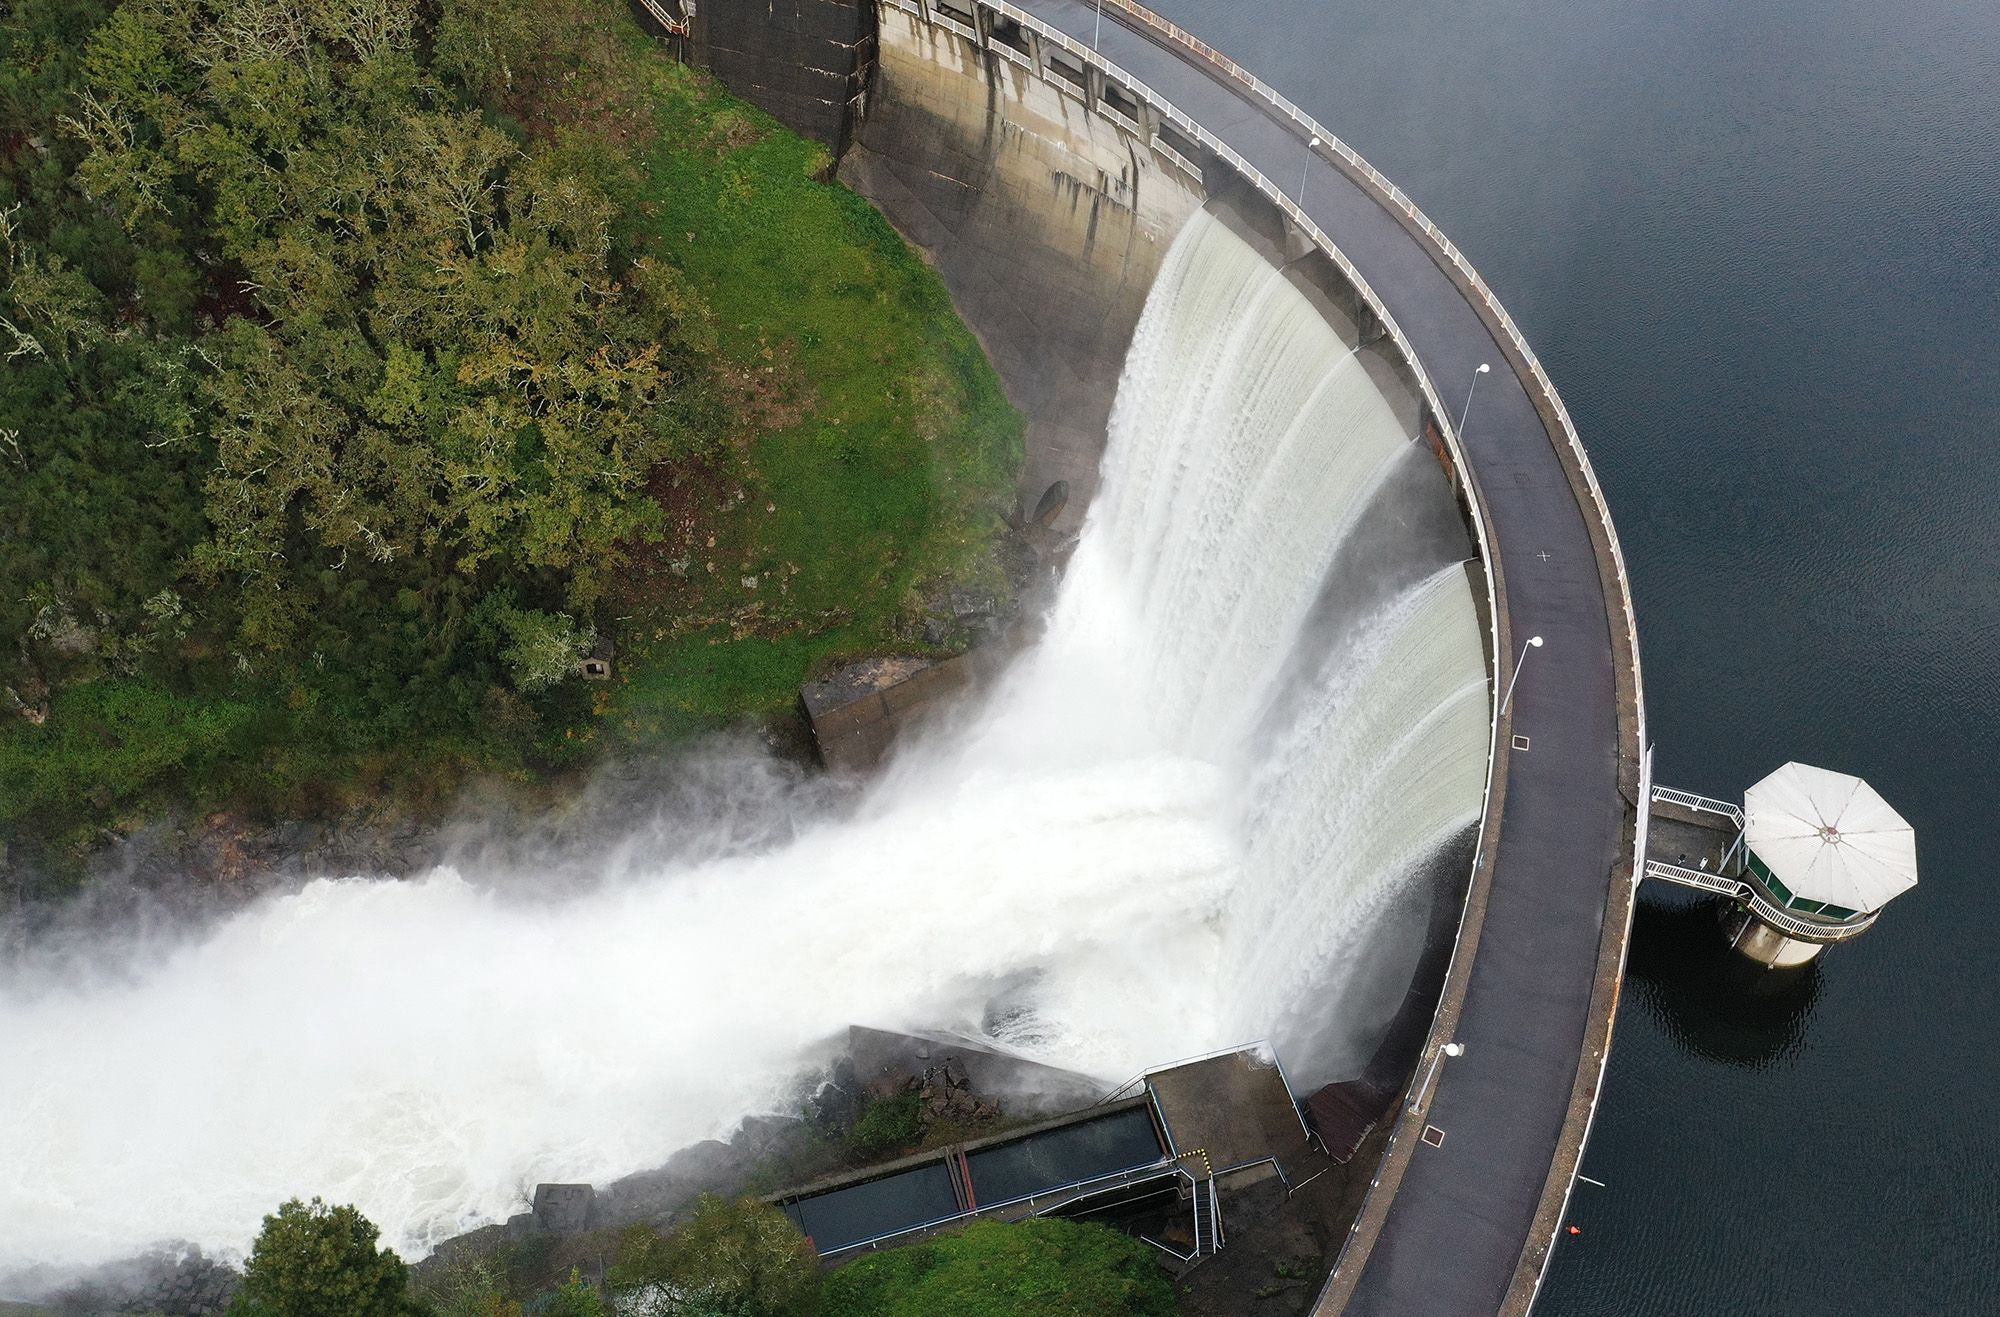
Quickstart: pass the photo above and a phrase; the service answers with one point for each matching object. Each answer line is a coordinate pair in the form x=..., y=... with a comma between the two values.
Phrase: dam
x=1331, y=737
x=1043, y=145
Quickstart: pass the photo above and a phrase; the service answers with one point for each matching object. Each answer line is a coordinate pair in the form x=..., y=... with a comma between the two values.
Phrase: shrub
x=887, y=1125
x=739, y=1258
x=317, y=1260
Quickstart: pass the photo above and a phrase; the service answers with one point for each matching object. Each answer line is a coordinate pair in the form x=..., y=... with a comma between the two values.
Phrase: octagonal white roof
x=1828, y=837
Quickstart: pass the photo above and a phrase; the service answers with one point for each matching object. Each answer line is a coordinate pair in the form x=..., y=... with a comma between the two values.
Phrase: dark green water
x=1757, y=243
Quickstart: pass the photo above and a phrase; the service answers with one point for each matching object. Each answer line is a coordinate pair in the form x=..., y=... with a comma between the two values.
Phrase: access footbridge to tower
x=1469, y=1197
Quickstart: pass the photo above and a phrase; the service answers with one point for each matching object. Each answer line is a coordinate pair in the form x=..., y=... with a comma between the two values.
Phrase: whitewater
x=1192, y=814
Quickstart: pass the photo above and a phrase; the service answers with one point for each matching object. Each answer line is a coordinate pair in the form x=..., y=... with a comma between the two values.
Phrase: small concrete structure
x=1810, y=860
x=564, y=1208
x=1233, y=1113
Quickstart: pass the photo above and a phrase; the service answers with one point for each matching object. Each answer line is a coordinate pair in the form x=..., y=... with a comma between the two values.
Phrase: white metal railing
x=1179, y=161
x=1007, y=52
x=665, y=17
x=1698, y=803
x=1118, y=116
x=1766, y=910
x=950, y=24
x=1036, y=1203
x=1259, y=1046
x=1703, y=879
x=1806, y=930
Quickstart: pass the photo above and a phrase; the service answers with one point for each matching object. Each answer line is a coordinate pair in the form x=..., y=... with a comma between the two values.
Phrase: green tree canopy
x=443, y=373
x=325, y=390
x=363, y=361
x=316, y=1260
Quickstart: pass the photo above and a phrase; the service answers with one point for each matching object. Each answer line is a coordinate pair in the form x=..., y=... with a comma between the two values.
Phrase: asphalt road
x=1463, y=1215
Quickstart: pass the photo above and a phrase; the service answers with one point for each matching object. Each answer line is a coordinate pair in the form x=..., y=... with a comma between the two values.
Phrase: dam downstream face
x=1199, y=811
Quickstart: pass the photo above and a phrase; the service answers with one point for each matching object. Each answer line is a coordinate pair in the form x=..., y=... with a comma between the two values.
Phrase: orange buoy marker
x=1576, y=1230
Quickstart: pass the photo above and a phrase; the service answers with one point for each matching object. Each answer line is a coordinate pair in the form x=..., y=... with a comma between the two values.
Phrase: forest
x=368, y=364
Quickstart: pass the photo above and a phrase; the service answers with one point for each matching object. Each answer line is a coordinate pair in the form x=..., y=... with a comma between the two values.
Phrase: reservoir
x=1754, y=243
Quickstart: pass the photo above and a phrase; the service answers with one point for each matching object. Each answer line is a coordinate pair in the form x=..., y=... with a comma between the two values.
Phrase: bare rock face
x=945, y=1100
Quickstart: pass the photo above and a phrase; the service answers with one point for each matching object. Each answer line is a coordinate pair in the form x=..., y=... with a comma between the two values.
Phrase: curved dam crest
x=1479, y=1165
x=1210, y=793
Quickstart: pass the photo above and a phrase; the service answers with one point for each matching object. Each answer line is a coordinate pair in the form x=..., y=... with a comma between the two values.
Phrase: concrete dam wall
x=1046, y=217
x=1043, y=152
x=1044, y=192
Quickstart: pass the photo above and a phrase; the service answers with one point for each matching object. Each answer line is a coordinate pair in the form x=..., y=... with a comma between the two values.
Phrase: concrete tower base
x=1766, y=945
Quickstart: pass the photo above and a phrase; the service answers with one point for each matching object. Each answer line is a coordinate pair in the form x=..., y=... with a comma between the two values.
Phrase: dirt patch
x=767, y=393
x=605, y=95
x=693, y=576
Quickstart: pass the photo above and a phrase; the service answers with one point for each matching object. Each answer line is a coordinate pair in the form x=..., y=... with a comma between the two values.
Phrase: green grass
x=875, y=458
x=1046, y=1266
x=115, y=750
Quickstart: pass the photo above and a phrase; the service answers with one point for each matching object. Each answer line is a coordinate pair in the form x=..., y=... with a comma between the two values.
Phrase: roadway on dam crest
x=1456, y=1232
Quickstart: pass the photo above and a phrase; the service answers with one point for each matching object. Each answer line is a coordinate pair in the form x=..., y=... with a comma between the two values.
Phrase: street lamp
x=1099, y=30
x=1534, y=642
x=1449, y=1049
x=1310, y=148
x=1466, y=410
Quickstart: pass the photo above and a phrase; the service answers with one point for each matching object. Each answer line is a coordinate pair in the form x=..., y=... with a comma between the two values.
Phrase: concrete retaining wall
x=804, y=61
x=1047, y=221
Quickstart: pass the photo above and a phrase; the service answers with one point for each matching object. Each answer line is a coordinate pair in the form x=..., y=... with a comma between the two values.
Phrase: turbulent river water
x=1187, y=816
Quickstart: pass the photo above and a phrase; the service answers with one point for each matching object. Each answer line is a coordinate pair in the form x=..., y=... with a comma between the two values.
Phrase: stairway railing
x=1700, y=804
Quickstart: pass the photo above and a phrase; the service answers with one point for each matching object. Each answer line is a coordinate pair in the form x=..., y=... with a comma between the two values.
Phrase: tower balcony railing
x=1762, y=904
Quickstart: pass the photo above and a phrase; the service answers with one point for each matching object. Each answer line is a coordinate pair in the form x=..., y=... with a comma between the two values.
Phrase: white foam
x=1107, y=846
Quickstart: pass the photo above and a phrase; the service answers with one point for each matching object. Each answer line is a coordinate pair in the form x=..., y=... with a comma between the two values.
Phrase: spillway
x=1198, y=810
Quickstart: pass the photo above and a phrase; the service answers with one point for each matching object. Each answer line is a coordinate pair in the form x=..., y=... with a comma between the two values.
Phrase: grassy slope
x=871, y=453
x=1045, y=1265
x=865, y=456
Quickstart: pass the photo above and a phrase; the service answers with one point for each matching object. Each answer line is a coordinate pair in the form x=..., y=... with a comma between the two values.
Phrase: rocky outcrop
x=159, y=1285
x=946, y=1100
x=857, y=711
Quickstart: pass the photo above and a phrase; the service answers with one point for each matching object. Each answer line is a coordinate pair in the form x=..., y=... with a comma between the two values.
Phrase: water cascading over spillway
x=1180, y=821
